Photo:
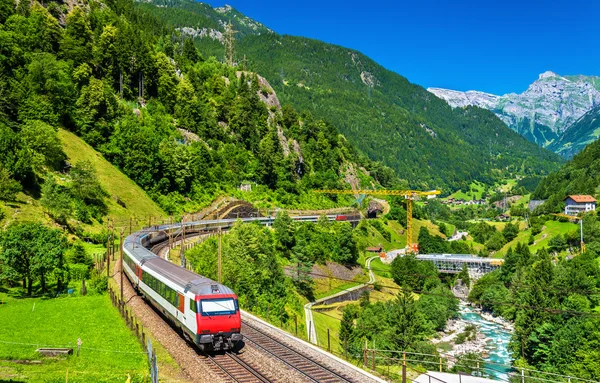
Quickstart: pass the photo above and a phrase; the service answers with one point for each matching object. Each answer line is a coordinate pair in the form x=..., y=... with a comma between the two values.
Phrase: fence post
x=328, y=342
x=296, y=320
x=522, y=375
x=403, y=367
x=365, y=355
x=373, y=361
x=440, y=364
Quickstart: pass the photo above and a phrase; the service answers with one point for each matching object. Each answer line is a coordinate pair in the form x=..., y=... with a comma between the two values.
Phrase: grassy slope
x=550, y=230
x=475, y=186
x=109, y=351
x=116, y=184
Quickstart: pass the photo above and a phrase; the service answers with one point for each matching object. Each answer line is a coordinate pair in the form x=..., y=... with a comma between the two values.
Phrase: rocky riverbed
x=489, y=340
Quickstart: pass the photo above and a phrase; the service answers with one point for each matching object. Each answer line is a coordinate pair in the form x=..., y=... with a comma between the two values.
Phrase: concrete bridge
x=453, y=263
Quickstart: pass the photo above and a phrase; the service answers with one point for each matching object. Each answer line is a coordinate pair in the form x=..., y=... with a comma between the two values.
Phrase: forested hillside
x=385, y=116
x=182, y=126
x=583, y=132
x=581, y=175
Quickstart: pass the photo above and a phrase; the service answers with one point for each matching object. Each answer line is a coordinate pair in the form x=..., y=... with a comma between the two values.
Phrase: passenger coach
x=205, y=311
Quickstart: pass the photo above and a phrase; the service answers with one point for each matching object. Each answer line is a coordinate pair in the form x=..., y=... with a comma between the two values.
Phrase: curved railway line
x=244, y=368
x=237, y=369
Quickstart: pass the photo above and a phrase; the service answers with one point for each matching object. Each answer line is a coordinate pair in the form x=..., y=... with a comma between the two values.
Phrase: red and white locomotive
x=205, y=311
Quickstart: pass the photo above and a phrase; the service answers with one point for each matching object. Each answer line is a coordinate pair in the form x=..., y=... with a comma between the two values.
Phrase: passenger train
x=206, y=312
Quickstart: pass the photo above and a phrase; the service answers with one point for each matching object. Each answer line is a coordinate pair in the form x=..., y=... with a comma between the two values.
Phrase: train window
x=225, y=306
x=193, y=305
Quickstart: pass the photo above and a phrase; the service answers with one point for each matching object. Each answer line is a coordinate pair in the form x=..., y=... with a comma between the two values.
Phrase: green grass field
x=552, y=229
x=115, y=183
x=109, y=353
x=477, y=193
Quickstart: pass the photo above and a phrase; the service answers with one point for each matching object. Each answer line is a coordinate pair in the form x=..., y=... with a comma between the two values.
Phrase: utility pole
x=219, y=255
x=581, y=235
x=107, y=248
x=182, y=252
x=113, y=239
x=121, y=248
x=229, y=44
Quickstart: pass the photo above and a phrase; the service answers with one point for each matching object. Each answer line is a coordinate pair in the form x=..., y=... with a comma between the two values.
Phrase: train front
x=219, y=322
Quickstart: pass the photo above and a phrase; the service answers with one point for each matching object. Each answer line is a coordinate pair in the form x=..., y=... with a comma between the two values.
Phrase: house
x=503, y=217
x=576, y=204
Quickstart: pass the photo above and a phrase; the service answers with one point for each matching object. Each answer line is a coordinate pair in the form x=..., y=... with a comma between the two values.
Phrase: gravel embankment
x=310, y=352
x=195, y=368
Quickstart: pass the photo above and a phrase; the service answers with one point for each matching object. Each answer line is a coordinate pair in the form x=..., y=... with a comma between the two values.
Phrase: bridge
x=453, y=263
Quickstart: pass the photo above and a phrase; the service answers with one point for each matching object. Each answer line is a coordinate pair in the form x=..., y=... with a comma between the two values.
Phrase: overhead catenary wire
x=519, y=285
x=550, y=310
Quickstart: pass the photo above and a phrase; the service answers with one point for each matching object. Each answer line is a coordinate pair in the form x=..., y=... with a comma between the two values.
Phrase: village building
x=576, y=204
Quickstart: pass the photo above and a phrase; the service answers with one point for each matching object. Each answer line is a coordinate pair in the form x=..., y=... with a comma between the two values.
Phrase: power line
x=422, y=292
x=520, y=285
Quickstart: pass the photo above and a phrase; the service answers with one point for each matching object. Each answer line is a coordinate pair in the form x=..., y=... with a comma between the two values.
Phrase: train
x=206, y=312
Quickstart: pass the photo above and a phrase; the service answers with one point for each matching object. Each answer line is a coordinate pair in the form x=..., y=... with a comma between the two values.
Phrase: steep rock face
x=543, y=112
x=582, y=133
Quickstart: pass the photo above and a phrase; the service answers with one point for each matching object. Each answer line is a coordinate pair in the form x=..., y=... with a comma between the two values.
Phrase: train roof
x=189, y=280
x=138, y=246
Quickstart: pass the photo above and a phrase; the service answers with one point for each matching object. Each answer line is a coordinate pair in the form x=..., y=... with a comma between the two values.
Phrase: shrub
x=78, y=272
x=99, y=284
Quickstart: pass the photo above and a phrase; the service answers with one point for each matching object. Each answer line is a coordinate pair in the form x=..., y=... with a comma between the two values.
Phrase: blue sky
x=492, y=46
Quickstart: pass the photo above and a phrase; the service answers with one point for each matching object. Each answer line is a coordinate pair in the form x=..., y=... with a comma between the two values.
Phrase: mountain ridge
x=543, y=112
x=382, y=113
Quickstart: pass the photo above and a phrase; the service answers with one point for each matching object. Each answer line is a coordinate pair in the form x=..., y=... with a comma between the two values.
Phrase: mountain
x=184, y=129
x=385, y=116
x=580, y=175
x=583, y=132
x=547, y=109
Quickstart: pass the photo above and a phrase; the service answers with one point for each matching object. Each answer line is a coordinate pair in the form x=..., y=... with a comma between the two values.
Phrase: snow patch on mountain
x=552, y=100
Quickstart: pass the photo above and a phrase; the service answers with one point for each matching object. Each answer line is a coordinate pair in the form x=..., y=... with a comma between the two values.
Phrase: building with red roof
x=580, y=203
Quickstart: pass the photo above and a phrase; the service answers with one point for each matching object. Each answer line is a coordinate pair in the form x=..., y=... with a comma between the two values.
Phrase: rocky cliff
x=543, y=112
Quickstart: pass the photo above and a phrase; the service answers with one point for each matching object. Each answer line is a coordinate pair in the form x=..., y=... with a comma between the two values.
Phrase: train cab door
x=191, y=309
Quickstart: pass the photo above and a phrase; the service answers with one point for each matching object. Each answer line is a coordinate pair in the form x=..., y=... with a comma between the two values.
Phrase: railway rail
x=236, y=369
x=311, y=369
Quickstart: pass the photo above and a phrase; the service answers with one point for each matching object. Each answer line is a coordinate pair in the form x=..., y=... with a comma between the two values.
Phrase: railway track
x=311, y=369
x=237, y=369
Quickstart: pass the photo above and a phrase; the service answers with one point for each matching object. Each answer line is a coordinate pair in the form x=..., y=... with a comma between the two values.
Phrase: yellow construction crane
x=409, y=196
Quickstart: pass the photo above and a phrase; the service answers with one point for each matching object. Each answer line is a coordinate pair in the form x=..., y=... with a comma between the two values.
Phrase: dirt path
x=310, y=323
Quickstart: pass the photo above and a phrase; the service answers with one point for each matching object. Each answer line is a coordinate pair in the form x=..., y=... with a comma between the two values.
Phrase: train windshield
x=224, y=306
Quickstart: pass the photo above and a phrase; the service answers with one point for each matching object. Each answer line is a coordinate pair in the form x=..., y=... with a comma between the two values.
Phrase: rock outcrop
x=544, y=111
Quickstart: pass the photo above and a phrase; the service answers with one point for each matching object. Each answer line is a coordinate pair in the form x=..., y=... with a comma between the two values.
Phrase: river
x=496, y=346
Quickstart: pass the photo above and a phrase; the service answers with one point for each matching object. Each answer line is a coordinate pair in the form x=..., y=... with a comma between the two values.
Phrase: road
x=310, y=322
